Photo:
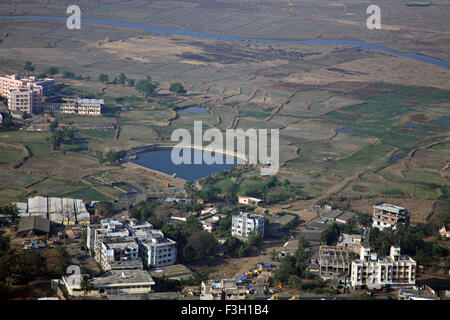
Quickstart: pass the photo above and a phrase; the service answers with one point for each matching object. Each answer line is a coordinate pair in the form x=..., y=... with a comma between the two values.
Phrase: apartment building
x=158, y=251
x=25, y=94
x=387, y=216
x=15, y=81
x=244, y=224
x=376, y=272
x=70, y=105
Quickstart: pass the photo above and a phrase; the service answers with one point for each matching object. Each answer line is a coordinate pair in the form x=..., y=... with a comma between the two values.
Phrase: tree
x=103, y=78
x=86, y=284
x=28, y=66
x=146, y=86
x=52, y=71
x=191, y=192
x=122, y=78
x=112, y=157
x=53, y=125
x=106, y=208
x=285, y=270
x=130, y=82
x=11, y=212
x=68, y=212
x=177, y=88
x=331, y=234
x=199, y=245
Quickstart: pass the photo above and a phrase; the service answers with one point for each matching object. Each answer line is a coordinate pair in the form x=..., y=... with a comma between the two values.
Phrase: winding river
x=164, y=31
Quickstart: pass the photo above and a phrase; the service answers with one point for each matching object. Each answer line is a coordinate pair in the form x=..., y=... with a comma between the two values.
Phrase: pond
x=160, y=160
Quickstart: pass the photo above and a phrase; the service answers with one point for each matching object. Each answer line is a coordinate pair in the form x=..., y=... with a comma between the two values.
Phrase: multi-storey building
x=130, y=246
x=158, y=251
x=225, y=289
x=376, y=272
x=71, y=105
x=334, y=262
x=244, y=224
x=25, y=94
x=15, y=81
x=387, y=216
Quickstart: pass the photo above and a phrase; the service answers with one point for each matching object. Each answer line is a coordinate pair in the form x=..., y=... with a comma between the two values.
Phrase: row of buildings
x=133, y=245
x=32, y=95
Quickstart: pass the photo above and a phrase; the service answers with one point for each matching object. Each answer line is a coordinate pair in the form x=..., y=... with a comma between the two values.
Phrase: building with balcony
x=388, y=216
x=244, y=224
x=376, y=272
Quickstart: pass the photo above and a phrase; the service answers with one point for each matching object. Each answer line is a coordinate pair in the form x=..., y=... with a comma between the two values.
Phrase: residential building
x=387, y=216
x=208, y=211
x=15, y=81
x=113, y=282
x=158, y=251
x=74, y=105
x=334, y=262
x=210, y=223
x=444, y=233
x=244, y=224
x=376, y=272
x=225, y=289
x=25, y=94
x=249, y=201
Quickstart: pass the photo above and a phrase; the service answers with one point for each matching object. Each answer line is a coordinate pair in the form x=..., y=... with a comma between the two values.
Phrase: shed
x=34, y=226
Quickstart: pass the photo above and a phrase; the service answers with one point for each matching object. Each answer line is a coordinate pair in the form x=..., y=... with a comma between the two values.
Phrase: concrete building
x=249, y=201
x=376, y=272
x=210, y=223
x=387, y=216
x=74, y=105
x=350, y=241
x=113, y=282
x=158, y=251
x=334, y=262
x=244, y=224
x=225, y=289
x=25, y=94
x=15, y=81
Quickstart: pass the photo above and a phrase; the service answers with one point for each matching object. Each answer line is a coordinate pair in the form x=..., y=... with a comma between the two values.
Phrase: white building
x=249, y=201
x=376, y=272
x=158, y=251
x=387, y=216
x=244, y=224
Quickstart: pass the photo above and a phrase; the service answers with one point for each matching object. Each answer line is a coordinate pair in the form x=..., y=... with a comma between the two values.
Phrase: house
x=444, y=233
x=207, y=211
x=249, y=201
x=210, y=223
x=244, y=224
x=387, y=216
x=33, y=226
x=225, y=289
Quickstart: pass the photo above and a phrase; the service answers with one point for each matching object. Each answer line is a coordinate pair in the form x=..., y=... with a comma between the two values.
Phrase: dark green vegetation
x=18, y=267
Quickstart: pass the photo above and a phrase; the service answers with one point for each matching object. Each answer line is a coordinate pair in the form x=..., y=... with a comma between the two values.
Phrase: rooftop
x=388, y=207
x=116, y=278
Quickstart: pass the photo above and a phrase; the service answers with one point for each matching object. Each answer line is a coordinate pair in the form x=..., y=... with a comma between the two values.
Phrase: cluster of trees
x=111, y=157
x=410, y=240
x=331, y=234
x=177, y=88
x=293, y=268
x=11, y=212
x=24, y=266
x=28, y=66
x=61, y=137
x=269, y=189
x=146, y=86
